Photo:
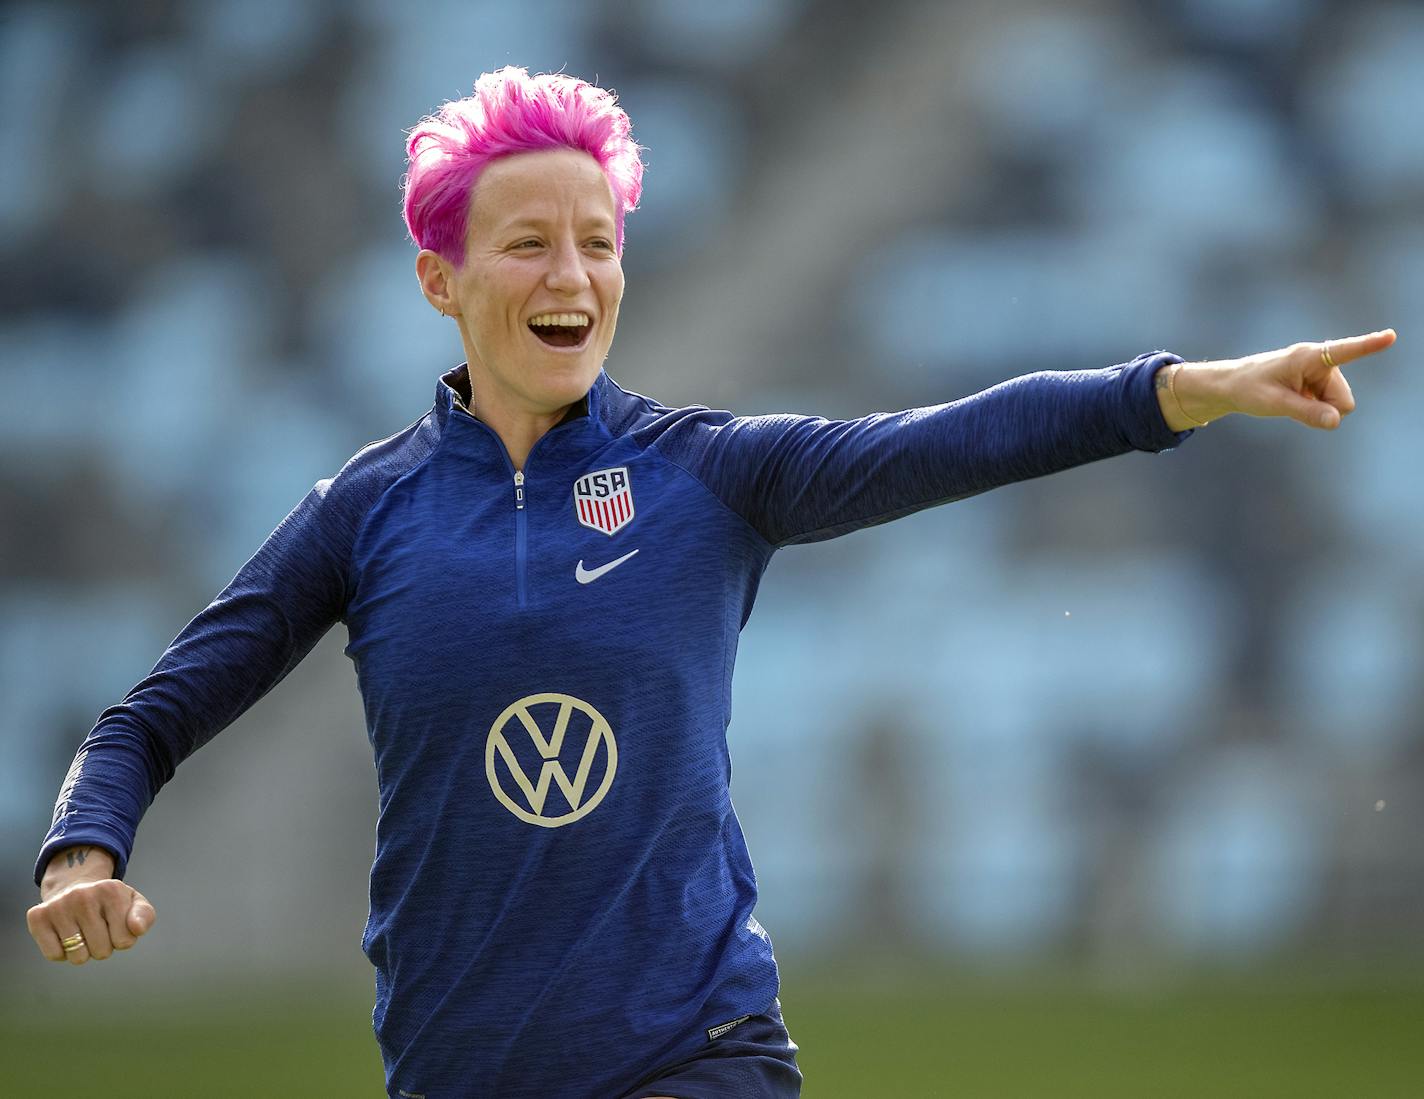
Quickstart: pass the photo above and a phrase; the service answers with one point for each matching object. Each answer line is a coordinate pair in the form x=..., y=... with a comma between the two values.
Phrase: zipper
x=521, y=537
x=521, y=521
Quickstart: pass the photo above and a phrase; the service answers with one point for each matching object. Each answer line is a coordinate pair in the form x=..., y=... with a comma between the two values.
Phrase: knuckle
x=75, y=897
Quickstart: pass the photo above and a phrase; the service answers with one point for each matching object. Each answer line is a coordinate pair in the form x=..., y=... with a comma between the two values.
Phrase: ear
x=437, y=282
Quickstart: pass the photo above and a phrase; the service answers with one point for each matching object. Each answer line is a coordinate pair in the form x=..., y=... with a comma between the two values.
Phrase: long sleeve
x=803, y=479
x=237, y=649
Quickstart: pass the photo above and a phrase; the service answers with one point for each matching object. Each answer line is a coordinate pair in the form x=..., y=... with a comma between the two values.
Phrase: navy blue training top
x=561, y=898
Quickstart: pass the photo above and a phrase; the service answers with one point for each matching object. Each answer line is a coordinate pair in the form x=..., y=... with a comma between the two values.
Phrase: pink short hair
x=511, y=112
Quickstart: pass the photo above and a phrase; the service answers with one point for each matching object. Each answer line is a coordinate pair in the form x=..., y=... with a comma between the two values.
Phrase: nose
x=567, y=274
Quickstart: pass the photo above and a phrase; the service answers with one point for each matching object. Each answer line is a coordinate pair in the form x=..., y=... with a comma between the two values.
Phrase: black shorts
x=754, y=1060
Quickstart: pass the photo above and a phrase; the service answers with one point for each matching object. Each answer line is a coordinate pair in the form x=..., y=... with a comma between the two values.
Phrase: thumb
x=141, y=914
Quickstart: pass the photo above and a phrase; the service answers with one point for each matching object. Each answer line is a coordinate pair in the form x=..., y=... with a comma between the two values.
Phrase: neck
x=518, y=432
x=518, y=428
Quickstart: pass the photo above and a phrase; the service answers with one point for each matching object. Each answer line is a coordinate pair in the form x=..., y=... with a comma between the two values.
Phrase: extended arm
x=802, y=478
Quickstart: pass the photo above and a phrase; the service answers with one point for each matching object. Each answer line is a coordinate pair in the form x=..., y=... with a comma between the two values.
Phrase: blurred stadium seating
x=1148, y=706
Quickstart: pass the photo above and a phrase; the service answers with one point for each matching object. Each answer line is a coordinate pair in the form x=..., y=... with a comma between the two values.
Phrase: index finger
x=1357, y=347
x=45, y=935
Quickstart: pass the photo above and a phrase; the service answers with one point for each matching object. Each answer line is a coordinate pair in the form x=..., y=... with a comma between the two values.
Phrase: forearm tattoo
x=78, y=856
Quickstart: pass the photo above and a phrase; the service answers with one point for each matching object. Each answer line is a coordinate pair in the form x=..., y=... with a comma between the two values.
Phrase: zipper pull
x=519, y=490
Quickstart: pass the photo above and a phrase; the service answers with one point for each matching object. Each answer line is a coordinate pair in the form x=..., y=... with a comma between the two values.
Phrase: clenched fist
x=84, y=911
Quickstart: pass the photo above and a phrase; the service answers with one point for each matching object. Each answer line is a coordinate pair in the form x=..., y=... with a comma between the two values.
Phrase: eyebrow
x=598, y=221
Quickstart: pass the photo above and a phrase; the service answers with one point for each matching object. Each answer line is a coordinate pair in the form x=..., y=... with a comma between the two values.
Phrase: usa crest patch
x=603, y=500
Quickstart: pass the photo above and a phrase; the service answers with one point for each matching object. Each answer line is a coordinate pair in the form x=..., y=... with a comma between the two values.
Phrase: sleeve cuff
x=95, y=837
x=1142, y=414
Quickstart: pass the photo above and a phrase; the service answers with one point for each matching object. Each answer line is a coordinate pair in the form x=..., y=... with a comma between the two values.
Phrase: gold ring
x=1325, y=356
x=73, y=943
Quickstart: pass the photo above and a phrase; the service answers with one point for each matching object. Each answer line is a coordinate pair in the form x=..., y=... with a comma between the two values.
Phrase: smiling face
x=540, y=246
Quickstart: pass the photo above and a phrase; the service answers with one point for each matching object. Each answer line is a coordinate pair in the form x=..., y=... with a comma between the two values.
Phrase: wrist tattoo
x=78, y=856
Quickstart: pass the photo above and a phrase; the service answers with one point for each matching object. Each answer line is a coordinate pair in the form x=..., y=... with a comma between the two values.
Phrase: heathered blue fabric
x=514, y=958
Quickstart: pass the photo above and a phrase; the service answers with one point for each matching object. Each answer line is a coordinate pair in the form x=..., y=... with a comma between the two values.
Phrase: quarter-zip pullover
x=561, y=899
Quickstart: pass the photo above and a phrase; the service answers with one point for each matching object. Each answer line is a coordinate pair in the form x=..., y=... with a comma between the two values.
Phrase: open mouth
x=562, y=334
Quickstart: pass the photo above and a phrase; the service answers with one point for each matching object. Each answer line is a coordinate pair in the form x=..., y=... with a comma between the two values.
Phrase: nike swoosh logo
x=588, y=576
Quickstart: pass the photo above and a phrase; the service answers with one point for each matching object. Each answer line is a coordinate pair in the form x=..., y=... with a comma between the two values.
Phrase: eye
x=600, y=242
x=531, y=240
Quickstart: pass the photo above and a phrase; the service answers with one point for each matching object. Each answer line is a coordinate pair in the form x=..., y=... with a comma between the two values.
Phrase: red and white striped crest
x=603, y=500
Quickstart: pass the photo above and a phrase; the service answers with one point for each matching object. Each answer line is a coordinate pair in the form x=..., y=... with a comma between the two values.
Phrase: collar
x=453, y=391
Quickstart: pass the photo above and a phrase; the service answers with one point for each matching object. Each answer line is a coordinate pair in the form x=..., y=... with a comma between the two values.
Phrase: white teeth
x=568, y=320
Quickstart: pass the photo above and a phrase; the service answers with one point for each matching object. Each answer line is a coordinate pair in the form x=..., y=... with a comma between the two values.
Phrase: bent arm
x=237, y=649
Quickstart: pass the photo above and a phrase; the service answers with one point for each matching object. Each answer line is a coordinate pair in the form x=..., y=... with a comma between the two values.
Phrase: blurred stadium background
x=1106, y=784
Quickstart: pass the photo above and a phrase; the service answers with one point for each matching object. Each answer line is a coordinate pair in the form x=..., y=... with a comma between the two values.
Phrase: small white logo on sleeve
x=588, y=576
x=713, y=1033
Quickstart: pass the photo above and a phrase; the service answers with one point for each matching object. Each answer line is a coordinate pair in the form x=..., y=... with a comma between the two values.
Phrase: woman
x=543, y=580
